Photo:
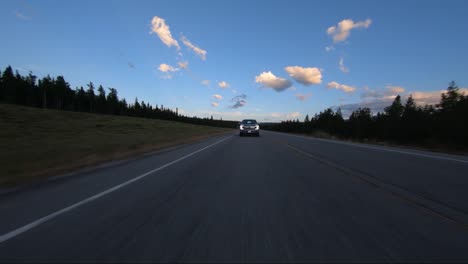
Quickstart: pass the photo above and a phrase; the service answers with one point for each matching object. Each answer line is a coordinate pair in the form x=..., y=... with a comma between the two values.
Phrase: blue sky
x=280, y=59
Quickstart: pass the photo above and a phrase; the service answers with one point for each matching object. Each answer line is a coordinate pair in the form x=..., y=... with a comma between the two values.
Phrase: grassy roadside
x=37, y=143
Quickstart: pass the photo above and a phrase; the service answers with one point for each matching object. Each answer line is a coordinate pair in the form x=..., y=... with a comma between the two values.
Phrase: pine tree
x=101, y=100
x=395, y=110
x=61, y=88
x=450, y=98
x=45, y=88
x=136, y=107
x=112, y=101
x=410, y=106
x=33, y=91
x=8, y=83
x=81, y=99
x=1, y=87
x=91, y=97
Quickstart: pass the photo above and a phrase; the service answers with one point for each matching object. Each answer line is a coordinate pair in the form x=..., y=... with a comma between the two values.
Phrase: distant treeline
x=55, y=93
x=443, y=124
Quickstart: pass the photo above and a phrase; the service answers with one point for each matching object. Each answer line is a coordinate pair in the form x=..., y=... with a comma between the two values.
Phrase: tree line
x=445, y=123
x=56, y=93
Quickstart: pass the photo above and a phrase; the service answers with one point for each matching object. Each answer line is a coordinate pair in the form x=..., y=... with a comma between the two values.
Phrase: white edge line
x=44, y=219
x=377, y=148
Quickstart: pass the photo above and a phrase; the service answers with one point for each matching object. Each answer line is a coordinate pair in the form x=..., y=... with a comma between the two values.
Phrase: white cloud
x=158, y=26
x=329, y=48
x=293, y=115
x=342, y=66
x=214, y=104
x=306, y=76
x=378, y=99
x=342, y=31
x=331, y=30
x=390, y=92
x=432, y=97
x=237, y=115
x=345, y=88
x=223, y=84
x=239, y=101
x=395, y=89
x=217, y=96
x=375, y=99
x=167, y=68
x=183, y=64
x=303, y=97
x=206, y=82
x=200, y=52
x=268, y=79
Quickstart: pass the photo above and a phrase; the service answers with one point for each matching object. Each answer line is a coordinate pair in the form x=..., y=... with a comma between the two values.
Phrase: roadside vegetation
x=56, y=93
x=442, y=127
x=37, y=143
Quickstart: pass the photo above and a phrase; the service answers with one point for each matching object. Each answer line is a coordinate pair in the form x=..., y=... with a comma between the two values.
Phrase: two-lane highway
x=278, y=197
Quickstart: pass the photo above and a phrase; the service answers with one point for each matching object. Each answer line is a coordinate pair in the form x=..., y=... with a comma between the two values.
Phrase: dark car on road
x=249, y=127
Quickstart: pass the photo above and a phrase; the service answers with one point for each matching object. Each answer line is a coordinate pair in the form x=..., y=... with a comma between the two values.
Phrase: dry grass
x=37, y=143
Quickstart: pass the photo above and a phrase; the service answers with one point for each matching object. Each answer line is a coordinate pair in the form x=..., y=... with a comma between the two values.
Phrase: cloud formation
x=390, y=92
x=206, y=82
x=237, y=115
x=214, y=104
x=342, y=31
x=217, y=96
x=378, y=99
x=395, y=89
x=223, y=84
x=342, y=66
x=293, y=115
x=303, y=97
x=183, y=64
x=329, y=48
x=345, y=88
x=239, y=101
x=432, y=97
x=269, y=80
x=285, y=116
x=200, y=52
x=305, y=76
x=159, y=26
x=167, y=68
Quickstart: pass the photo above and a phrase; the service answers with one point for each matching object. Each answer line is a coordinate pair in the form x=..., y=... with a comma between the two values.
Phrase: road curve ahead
x=275, y=198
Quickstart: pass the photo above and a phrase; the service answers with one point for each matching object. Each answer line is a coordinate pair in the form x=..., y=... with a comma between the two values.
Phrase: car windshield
x=249, y=122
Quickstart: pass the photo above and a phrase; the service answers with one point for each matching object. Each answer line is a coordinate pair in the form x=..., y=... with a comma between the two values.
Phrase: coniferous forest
x=56, y=93
x=443, y=125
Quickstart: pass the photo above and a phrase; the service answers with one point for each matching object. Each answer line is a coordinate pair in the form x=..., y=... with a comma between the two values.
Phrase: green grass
x=37, y=143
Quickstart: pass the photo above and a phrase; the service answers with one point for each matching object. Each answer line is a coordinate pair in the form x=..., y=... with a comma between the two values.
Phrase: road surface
x=278, y=197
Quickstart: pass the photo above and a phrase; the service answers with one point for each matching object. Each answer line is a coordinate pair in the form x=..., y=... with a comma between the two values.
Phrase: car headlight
x=257, y=127
x=241, y=127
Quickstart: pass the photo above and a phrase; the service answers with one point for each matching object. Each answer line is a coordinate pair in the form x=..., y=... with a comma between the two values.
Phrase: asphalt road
x=274, y=198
